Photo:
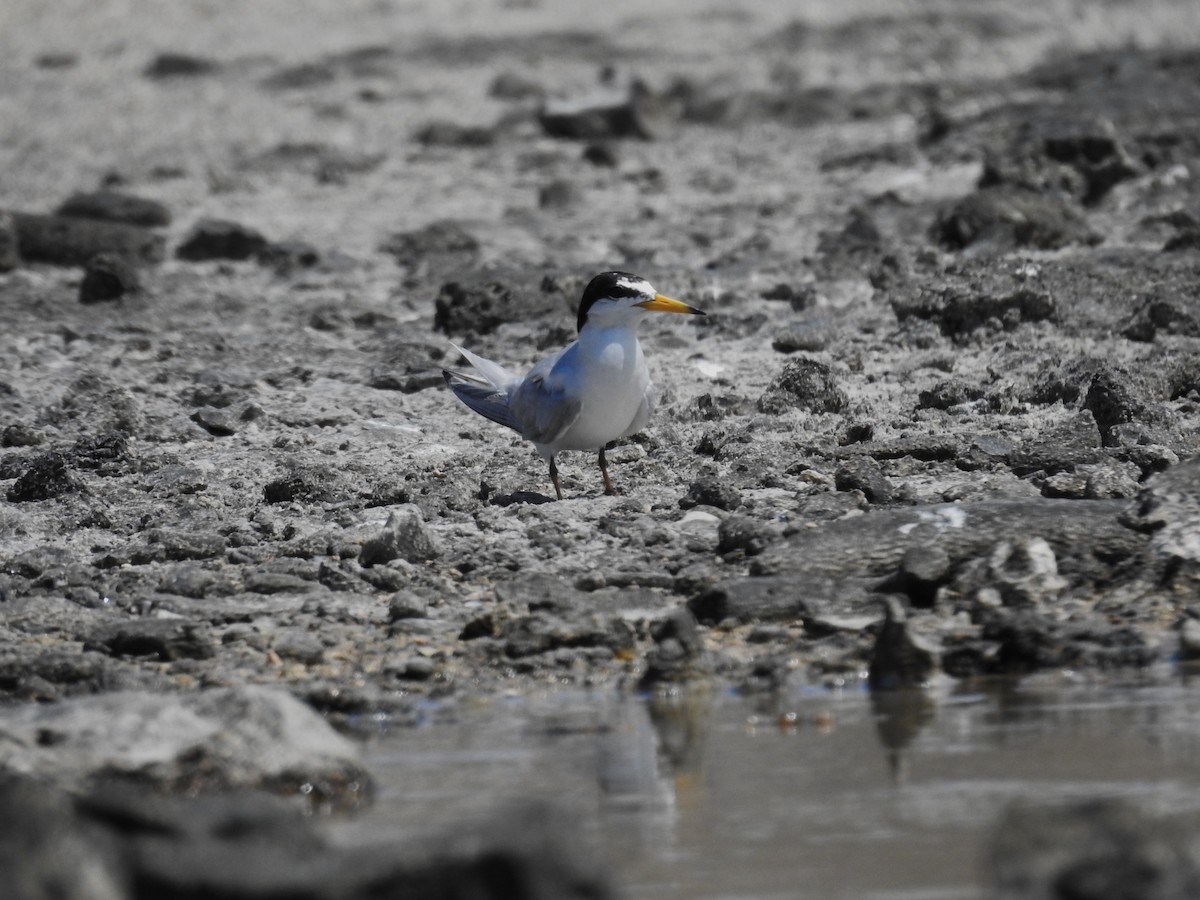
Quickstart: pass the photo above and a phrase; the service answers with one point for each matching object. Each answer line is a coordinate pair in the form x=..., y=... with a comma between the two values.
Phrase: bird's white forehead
x=640, y=285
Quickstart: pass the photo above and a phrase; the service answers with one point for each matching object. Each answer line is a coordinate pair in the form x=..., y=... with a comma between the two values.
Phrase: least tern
x=593, y=391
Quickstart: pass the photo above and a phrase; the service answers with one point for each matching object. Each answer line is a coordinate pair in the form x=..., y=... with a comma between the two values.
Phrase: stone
x=709, y=490
x=115, y=206
x=47, y=477
x=10, y=256
x=70, y=241
x=179, y=65
x=167, y=640
x=633, y=112
x=1090, y=850
x=404, y=536
x=246, y=737
x=862, y=473
x=804, y=384
x=220, y=239
x=108, y=277
x=1005, y=217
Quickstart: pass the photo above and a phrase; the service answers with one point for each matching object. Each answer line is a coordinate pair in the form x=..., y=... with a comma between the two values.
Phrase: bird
x=591, y=392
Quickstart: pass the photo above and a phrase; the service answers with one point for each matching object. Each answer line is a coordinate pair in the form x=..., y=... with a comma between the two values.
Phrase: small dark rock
x=114, y=206
x=804, y=384
x=949, y=392
x=69, y=241
x=46, y=478
x=19, y=435
x=1099, y=849
x=513, y=86
x=220, y=239
x=217, y=422
x=442, y=241
x=450, y=134
x=559, y=194
x=10, y=256
x=862, y=473
x=162, y=639
x=288, y=256
x=808, y=338
x=106, y=278
x=742, y=534
x=748, y=599
x=406, y=605
x=709, y=490
x=635, y=113
x=404, y=536
x=461, y=308
x=1007, y=217
x=179, y=65
x=678, y=648
x=603, y=154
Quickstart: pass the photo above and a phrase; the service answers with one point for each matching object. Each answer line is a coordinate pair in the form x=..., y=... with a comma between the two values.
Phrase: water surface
x=818, y=794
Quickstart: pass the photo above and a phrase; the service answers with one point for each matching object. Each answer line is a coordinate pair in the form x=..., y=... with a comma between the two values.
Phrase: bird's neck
x=596, y=334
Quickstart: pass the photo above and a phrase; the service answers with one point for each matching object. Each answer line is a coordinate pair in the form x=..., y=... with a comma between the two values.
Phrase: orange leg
x=609, y=490
x=554, y=478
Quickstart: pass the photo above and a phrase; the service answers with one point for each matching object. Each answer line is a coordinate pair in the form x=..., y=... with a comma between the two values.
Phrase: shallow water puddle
x=822, y=794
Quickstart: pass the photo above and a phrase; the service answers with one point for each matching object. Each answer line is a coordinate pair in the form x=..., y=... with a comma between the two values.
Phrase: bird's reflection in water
x=900, y=715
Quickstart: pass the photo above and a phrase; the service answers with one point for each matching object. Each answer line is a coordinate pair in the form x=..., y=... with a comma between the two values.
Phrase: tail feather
x=484, y=399
x=496, y=375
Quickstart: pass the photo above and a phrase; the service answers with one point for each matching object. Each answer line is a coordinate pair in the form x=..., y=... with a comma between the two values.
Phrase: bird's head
x=617, y=298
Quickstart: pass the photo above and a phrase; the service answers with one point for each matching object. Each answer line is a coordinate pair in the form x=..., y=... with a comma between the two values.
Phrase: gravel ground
x=938, y=424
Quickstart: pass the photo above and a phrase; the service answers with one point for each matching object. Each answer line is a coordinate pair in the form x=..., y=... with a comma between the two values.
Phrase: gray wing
x=543, y=404
x=642, y=416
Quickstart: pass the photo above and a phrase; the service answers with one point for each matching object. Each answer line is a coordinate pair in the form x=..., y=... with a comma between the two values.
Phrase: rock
x=247, y=737
x=217, y=422
x=220, y=239
x=804, y=384
x=948, y=393
x=47, y=851
x=406, y=366
x=461, y=308
x=1003, y=218
x=20, y=435
x=106, y=278
x=862, y=473
x=286, y=257
x=807, y=338
x=442, y=244
x=47, y=477
x=603, y=154
x=742, y=534
x=115, y=206
x=406, y=605
x=901, y=658
x=162, y=639
x=1022, y=572
x=450, y=134
x=1071, y=443
x=10, y=256
x=68, y=241
x=559, y=194
x=1090, y=850
x=678, y=649
x=959, y=309
x=758, y=599
x=1189, y=640
x=515, y=86
x=179, y=65
x=404, y=536
x=101, y=404
x=636, y=112
x=709, y=490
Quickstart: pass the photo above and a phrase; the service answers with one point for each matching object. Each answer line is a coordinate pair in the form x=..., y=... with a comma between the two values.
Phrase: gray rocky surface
x=942, y=419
